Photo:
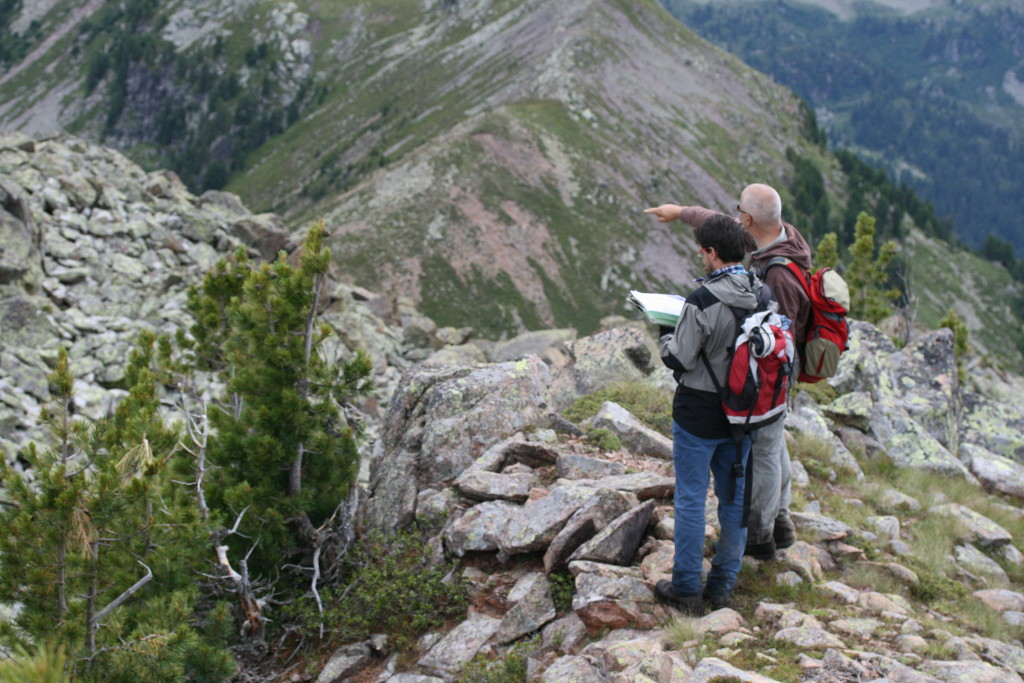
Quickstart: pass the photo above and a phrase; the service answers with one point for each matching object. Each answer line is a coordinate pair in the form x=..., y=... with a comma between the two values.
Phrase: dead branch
x=94, y=623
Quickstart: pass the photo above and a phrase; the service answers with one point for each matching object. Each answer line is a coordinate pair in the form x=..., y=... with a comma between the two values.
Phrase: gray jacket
x=706, y=322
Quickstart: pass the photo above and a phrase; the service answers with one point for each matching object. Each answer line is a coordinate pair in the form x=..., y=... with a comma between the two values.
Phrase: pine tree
x=827, y=253
x=867, y=273
x=93, y=552
x=281, y=455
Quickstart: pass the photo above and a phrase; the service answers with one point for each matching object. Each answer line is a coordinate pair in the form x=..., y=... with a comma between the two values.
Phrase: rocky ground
x=906, y=476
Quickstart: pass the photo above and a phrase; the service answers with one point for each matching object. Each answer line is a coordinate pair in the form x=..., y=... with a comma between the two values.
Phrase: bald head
x=761, y=213
x=763, y=204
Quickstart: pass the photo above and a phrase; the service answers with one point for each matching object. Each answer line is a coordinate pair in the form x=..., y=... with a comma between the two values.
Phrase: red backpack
x=827, y=333
x=757, y=386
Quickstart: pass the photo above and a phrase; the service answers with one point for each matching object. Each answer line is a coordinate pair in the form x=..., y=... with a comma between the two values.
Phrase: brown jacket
x=793, y=301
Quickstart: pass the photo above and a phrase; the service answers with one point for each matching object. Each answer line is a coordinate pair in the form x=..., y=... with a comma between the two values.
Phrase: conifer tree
x=866, y=274
x=93, y=552
x=281, y=455
x=827, y=253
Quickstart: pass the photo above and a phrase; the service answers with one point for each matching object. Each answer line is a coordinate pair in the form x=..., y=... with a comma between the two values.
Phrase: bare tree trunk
x=90, y=598
x=295, y=476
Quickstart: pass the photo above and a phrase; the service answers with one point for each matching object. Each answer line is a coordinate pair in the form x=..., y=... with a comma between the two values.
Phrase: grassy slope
x=979, y=292
x=525, y=133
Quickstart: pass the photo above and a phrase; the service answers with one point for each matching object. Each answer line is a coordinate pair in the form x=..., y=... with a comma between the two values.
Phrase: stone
x=460, y=644
x=710, y=669
x=567, y=634
x=1001, y=599
x=620, y=354
x=806, y=418
x=613, y=602
x=995, y=426
x=878, y=603
x=538, y=522
x=979, y=564
x=891, y=500
x=852, y=409
x=572, y=668
x=634, y=435
x=968, y=672
x=910, y=445
x=721, y=621
x=819, y=526
x=860, y=628
x=480, y=528
x=911, y=643
x=810, y=638
x=576, y=466
x=976, y=527
x=345, y=661
x=886, y=526
x=440, y=421
x=995, y=472
x=481, y=485
x=802, y=558
x=644, y=485
x=595, y=514
x=531, y=611
x=617, y=543
x=531, y=343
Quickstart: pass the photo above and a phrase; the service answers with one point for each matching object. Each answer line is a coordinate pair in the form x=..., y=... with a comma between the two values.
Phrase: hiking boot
x=761, y=551
x=690, y=605
x=784, y=534
x=717, y=598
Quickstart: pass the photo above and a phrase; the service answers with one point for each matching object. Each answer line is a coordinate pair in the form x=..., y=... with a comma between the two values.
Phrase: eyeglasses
x=741, y=210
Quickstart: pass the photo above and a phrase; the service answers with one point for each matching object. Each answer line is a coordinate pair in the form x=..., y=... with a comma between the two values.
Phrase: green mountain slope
x=930, y=91
x=489, y=159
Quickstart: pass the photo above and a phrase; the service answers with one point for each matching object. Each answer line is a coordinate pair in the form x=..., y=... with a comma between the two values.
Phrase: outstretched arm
x=694, y=215
x=665, y=213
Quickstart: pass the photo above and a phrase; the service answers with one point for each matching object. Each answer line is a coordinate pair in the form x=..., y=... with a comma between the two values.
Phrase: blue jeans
x=695, y=459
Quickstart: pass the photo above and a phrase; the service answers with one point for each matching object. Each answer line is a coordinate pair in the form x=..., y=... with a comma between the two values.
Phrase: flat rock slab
x=613, y=602
x=533, y=609
x=576, y=466
x=481, y=485
x=538, y=522
x=460, y=645
x=645, y=485
x=968, y=672
x=821, y=527
x=617, y=543
x=595, y=514
x=634, y=434
x=976, y=527
x=572, y=668
x=712, y=669
x=480, y=528
x=810, y=638
x=1001, y=599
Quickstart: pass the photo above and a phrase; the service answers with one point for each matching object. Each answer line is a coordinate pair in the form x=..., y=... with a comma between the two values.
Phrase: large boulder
x=620, y=354
x=441, y=419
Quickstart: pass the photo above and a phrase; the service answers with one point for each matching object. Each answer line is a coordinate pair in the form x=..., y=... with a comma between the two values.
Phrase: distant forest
x=921, y=97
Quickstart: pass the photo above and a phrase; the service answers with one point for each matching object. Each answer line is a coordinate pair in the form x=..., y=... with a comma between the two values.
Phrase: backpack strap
x=801, y=275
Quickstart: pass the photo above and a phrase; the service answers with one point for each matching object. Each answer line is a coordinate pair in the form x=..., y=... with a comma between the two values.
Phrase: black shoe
x=761, y=551
x=690, y=605
x=784, y=533
x=716, y=598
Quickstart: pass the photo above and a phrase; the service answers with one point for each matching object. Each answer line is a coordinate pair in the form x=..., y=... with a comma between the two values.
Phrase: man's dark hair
x=723, y=233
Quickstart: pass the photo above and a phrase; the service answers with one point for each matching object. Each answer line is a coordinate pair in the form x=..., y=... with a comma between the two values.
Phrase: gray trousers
x=770, y=491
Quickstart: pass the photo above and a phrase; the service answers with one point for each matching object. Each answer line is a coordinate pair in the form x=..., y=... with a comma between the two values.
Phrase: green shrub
x=650, y=405
x=563, y=588
x=510, y=667
x=604, y=439
x=388, y=586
